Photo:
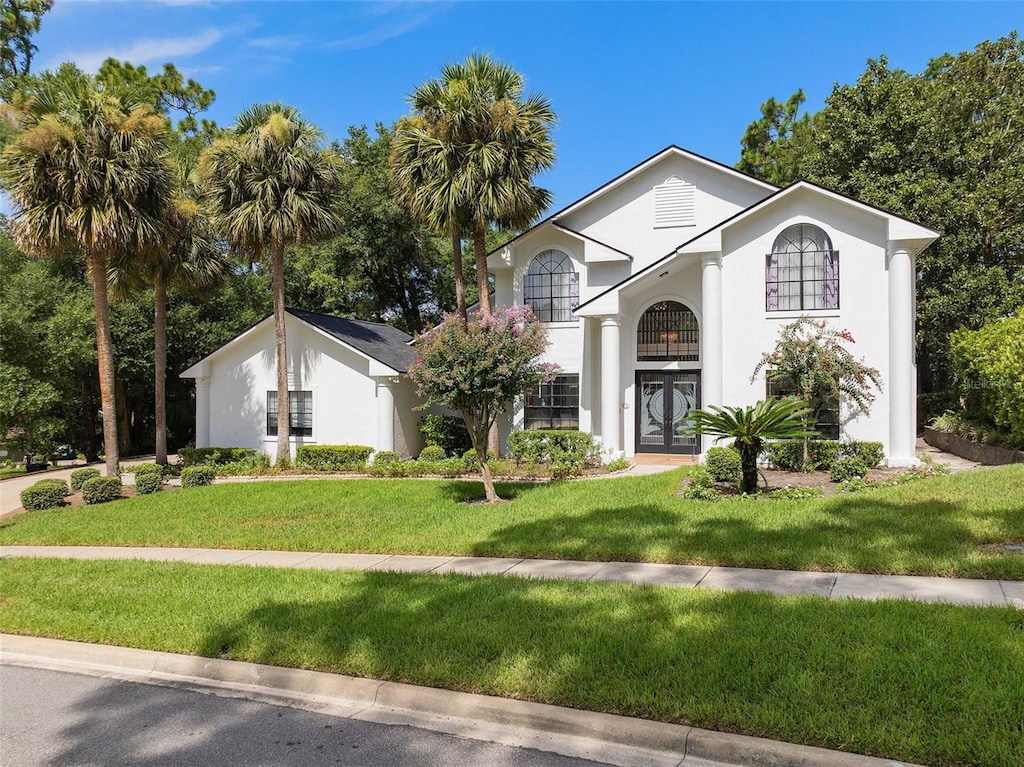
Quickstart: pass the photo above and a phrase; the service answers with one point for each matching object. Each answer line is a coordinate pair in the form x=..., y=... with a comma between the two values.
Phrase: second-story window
x=552, y=287
x=802, y=271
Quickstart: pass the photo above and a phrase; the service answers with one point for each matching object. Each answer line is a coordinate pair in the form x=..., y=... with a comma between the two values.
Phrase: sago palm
x=268, y=183
x=88, y=174
x=750, y=427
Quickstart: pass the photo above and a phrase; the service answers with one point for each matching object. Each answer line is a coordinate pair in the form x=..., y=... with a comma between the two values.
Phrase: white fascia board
x=200, y=370
x=600, y=306
x=377, y=368
x=594, y=251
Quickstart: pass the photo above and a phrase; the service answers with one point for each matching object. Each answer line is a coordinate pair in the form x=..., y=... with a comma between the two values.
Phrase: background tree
x=88, y=174
x=776, y=146
x=750, y=427
x=470, y=161
x=942, y=147
x=269, y=183
x=20, y=21
x=811, y=358
x=478, y=368
x=168, y=92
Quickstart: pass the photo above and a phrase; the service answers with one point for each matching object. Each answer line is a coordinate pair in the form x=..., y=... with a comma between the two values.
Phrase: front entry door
x=663, y=405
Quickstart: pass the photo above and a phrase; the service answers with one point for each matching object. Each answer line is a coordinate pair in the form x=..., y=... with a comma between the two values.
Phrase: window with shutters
x=673, y=204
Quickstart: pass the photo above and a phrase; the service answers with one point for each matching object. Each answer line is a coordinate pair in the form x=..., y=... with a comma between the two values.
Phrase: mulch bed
x=774, y=479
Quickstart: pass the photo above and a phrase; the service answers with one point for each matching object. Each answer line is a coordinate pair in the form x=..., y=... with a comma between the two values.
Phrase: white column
x=385, y=415
x=203, y=411
x=902, y=364
x=611, y=385
x=711, y=334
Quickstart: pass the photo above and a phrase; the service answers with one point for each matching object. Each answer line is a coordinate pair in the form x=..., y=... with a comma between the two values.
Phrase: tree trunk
x=160, y=360
x=748, y=466
x=480, y=256
x=477, y=426
x=460, y=284
x=105, y=360
x=281, y=351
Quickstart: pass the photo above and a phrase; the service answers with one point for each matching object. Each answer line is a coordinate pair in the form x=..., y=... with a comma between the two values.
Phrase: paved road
x=55, y=718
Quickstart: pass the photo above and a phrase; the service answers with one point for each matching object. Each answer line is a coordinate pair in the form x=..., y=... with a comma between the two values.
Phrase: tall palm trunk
x=160, y=364
x=281, y=349
x=480, y=258
x=105, y=360
x=460, y=283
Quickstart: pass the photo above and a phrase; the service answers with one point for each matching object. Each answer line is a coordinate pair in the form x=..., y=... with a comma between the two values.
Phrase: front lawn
x=932, y=684
x=952, y=526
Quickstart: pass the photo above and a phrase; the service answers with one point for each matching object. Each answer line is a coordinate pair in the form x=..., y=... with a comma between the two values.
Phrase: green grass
x=933, y=684
x=14, y=471
x=950, y=526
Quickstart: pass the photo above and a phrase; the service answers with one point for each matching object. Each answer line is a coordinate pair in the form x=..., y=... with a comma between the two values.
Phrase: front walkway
x=962, y=591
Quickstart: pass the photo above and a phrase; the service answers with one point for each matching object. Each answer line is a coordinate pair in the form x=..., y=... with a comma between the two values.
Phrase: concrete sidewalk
x=961, y=591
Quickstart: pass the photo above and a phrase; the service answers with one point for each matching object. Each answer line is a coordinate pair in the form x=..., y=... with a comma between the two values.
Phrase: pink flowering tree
x=478, y=367
x=812, y=360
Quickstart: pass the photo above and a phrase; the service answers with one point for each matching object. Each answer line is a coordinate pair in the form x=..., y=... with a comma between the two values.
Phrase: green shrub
x=146, y=468
x=868, y=453
x=788, y=455
x=388, y=463
x=101, y=490
x=619, y=464
x=502, y=467
x=723, y=464
x=44, y=494
x=700, y=486
x=247, y=467
x=80, y=476
x=447, y=432
x=552, y=445
x=333, y=457
x=432, y=453
x=197, y=476
x=202, y=456
x=855, y=485
x=147, y=482
x=385, y=457
x=848, y=468
x=451, y=467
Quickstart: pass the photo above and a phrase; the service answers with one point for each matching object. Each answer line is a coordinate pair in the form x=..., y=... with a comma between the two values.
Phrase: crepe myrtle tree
x=478, y=367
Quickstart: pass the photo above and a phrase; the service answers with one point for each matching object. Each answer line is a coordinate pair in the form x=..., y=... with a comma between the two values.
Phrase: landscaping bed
x=931, y=684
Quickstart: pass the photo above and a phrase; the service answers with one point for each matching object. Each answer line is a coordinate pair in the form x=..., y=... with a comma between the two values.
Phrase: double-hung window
x=300, y=413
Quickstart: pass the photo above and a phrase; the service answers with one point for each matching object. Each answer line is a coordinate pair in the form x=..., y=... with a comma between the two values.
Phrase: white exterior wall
x=344, y=395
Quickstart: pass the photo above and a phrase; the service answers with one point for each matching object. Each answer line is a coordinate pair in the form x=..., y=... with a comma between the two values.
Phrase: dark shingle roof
x=374, y=339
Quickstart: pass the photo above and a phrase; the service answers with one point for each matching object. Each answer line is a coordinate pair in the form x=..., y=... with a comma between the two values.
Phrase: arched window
x=667, y=333
x=552, y=287
x=802, y=271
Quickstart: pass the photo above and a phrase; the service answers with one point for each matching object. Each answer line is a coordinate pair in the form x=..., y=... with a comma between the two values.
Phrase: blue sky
x=626, y=79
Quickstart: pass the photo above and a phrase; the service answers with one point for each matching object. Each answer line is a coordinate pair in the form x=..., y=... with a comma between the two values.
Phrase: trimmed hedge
x=822, y=454
x=723, y=464
x=204, y=456
x=333, y=457
x=868, y=453
x=848, y=468
x=147, y=483
x=432, y=453
x=197, y=476
x=567, y=452
x=44, y=494
x=101, y=490
x=80, y=476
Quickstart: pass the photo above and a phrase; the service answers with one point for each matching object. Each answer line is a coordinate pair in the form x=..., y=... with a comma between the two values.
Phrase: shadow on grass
x=856, y=533
x=803, y=670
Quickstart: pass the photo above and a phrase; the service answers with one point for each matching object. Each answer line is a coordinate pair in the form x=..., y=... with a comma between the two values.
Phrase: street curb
x=617, y=740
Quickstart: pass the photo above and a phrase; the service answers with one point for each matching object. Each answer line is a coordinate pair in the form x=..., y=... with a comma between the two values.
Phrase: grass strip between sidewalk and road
x=933, y=684
x=953, y=526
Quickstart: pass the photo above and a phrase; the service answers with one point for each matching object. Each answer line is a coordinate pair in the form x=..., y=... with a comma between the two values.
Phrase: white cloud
x=147, y=50
x=390, y=29
x=278, y=42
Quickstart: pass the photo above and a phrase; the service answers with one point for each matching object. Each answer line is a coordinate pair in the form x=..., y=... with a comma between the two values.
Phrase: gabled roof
x=907, y=230
x=671, y=149
x=375, y=340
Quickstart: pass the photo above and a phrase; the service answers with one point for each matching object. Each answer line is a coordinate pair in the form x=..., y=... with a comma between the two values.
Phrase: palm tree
x=88, y=174
x=751, y=427
x=269, y=183
x=468, y=161
x=191, y=258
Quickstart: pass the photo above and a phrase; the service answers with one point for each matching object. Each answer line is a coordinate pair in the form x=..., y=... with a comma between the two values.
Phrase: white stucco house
x=660, y=291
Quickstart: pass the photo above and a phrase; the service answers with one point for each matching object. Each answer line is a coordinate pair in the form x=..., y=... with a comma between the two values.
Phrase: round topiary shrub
x=197, y=476
x=80, y=476
x=44, y=494
x=844, y=469
x=432, y=453
x=148, y=482
x=101, y=490
x=723, y=464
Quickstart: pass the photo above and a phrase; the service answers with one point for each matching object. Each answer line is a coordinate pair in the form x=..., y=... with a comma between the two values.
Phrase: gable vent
x=673, y=203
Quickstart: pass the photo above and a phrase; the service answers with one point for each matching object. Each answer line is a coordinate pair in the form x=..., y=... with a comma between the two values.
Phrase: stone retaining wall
x=971, y=450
